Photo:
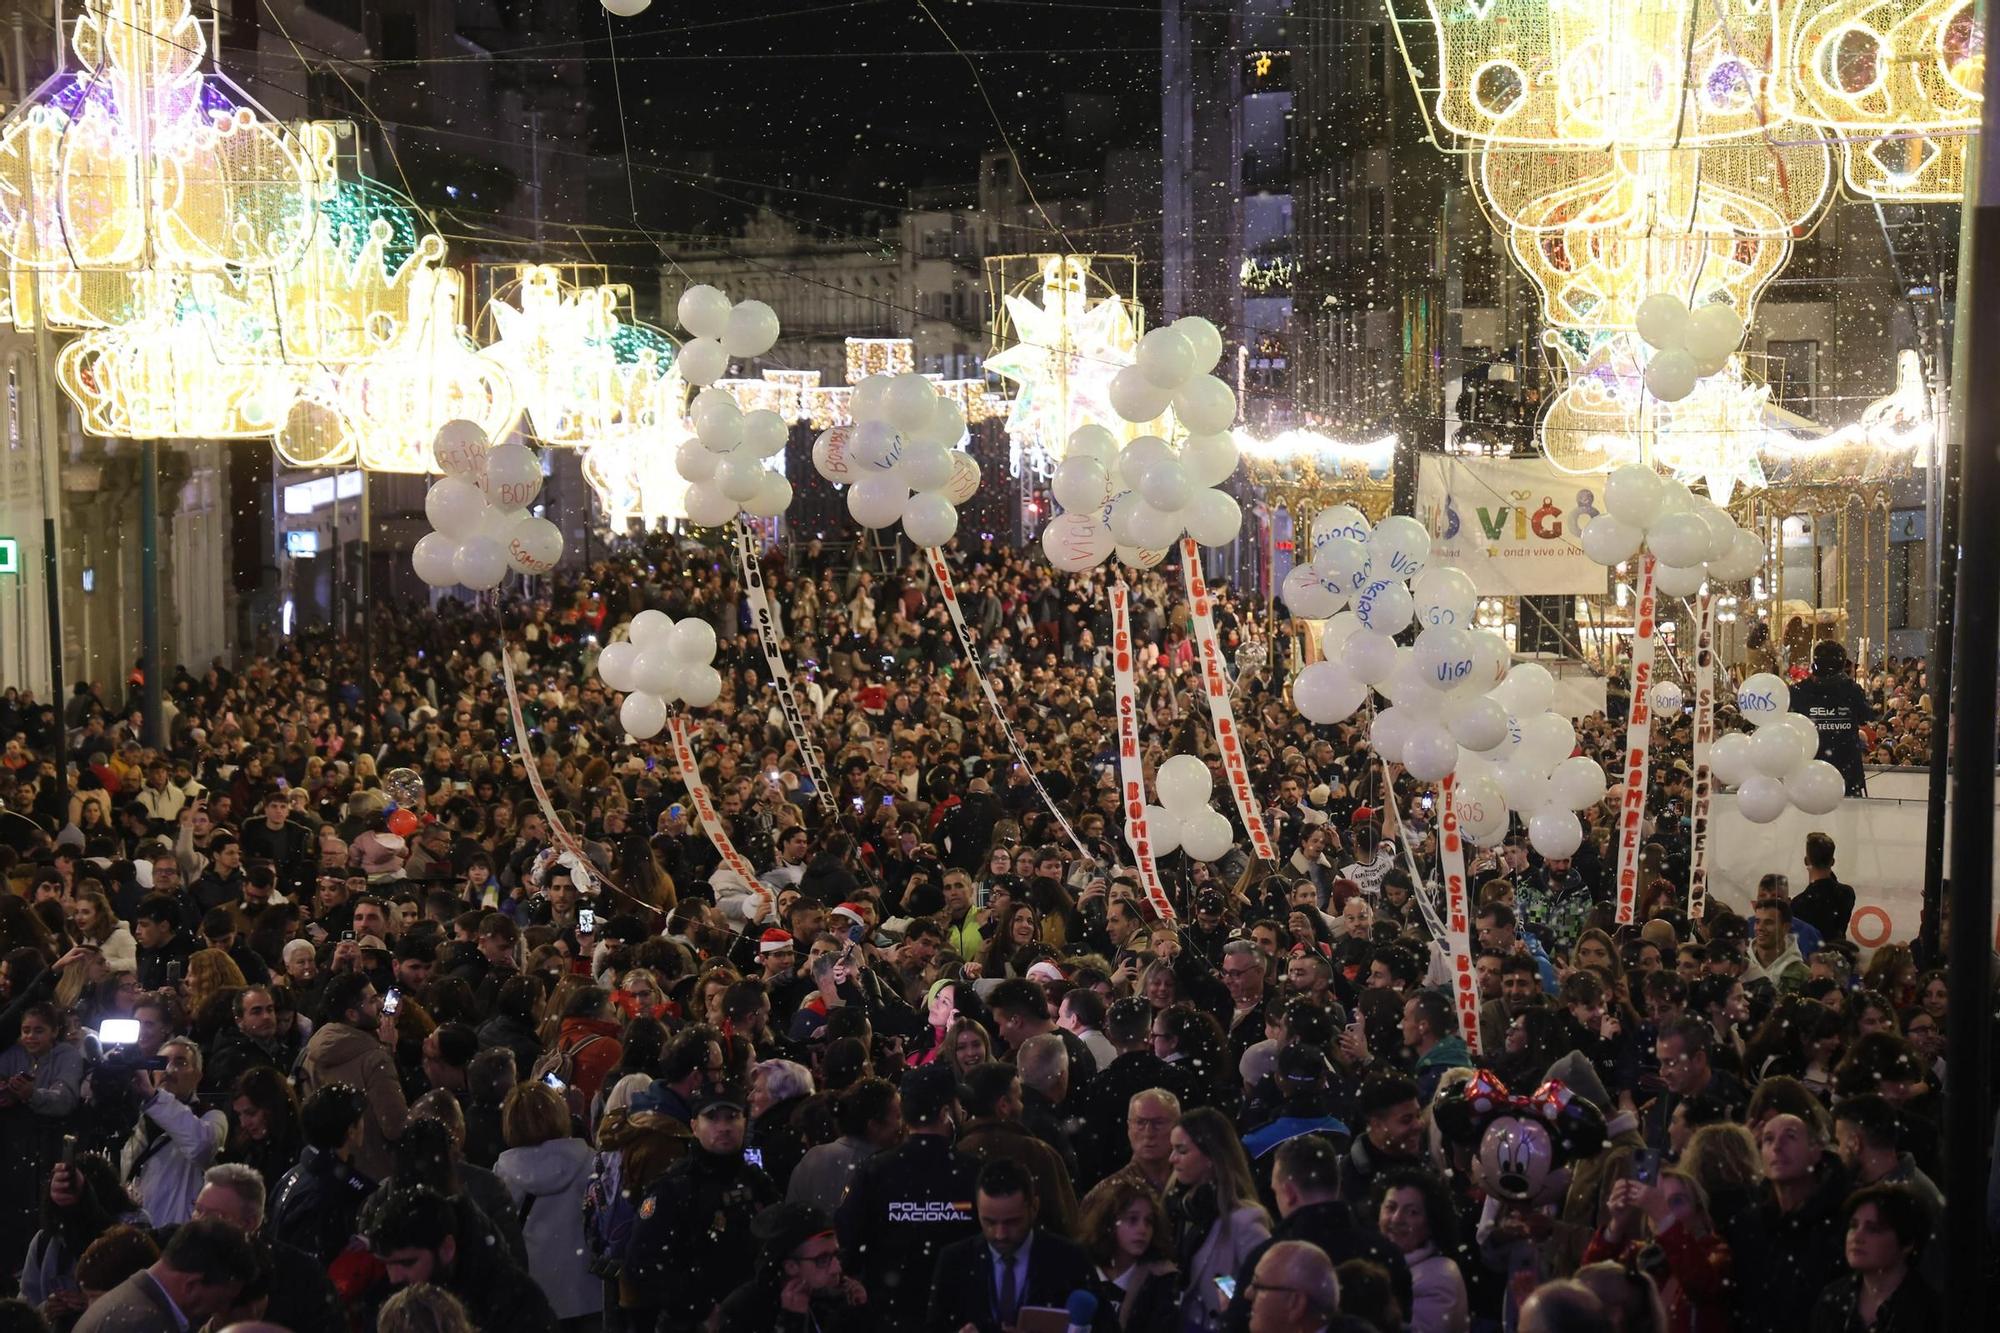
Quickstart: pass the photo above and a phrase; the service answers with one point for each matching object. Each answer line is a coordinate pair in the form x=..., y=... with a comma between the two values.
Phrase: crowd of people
x=315, y=1020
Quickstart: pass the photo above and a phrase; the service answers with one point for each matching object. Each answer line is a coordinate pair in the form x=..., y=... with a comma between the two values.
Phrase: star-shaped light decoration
x=580, y=372
x=1066, y=350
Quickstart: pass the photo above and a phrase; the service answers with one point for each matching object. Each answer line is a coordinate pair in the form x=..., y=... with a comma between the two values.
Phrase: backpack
x=609, y=1212
x=562, y=1064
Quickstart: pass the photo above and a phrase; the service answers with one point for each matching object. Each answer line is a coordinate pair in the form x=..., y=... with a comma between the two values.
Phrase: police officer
x=905, y=1205
x=1837, y=706
x=692, y=1245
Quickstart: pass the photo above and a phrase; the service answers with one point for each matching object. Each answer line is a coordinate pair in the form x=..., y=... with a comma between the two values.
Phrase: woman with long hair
x=212, y=979
x=967, y=1046
x=1892, y=972
x=1414, y=1212
x=1218, y=1220
x=1671, y=1216
x=267, y=1134
x=1015, y=927
x=95, y=923
x=1126, y=1234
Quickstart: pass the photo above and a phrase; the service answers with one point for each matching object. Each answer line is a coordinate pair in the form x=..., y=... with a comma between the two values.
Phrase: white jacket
x=171, y=1173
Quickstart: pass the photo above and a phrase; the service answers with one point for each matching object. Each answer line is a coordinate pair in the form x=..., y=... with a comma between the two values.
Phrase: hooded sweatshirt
x=548, y=1181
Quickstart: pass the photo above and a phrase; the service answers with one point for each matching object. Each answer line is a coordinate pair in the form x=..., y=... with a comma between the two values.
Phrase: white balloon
x=535, y=546
x=926, y=467
x=752, y=329
x=1080, y=483
x=1713, y=332
x=1546, y=740
x=1430, y=753
x=1210, y=459
x=1155, y=527
x=870, y=400
x=1139, y=557
x=1632, y=494
x=1406, y=684
x=964, y=483
x=1675, y=497
x=1490, y=657
x=1369, y=656
x=874, y=443
x=1385, y=606
x=1526, y=788
x=1805, y=736
x=910, y=401
x=1136, y=398
x=1530, y=689
x=717, y=420
x=1337, y=522
x=929, y=519
x=1390, y=731
x=655, y=670
x=1763, y=698
x=615, y=665
x=773, y=497
x=765, y=433
x=1774, y=752
x=707, y=506
x=432, y=558
x=700, y=685
x=1662, y=319
x=1481, y=807
x=1184, y=784
x=455, y=507
x=703, y=310
x=947, y=423
x=833, y=456
x=1678, y=539
x=1138, y=458
x=643, y=716
x=1205, y=405
x=1445, y=655
x=460, y=449
x=1816, y=788
x=1166, y=486
x=1333, y=638
x=1445, y=597
x=1324, y=692
x=877, y=501
x=1206, y=835
x=1729, y=758
x=1341, y=561
x=1578, y=782
x=1554, y=832
x=1721, y=527
x=1672, y=375
x=702, y=361
x=1094, y=441
x=1204, y=338
x=695, y=463
x=1761, y=799
x=1076, y=542
x=651, y=627
x=1743, y=559
x=1674, y=581
x=1163, y=831
x=1307, y=595
x=1213, y=518
x=1118, y=516
x=1165, y=357
x=1398, y=548
x=693, y=641
x=739, y=475
x=480, y=563
x=1478, y=723
x=1667, y=698
x=1610, y=540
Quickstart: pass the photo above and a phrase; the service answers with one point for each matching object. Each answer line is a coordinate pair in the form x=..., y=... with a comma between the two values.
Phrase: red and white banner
x=781, y=675
x=969, y=649
x=1215, y=680
x=1638, y=747
x=1457, y=939
x=1704, y=740
x=1131, y=766
x=679, y=731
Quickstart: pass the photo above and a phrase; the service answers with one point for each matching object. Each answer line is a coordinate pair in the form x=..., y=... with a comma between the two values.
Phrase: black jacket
x=962, y=1285
x=1826, y=905
x=1795, y=1255
x=1332, y=1227
x=903, y=1207
x=691, y=1245
x=232, y=1053
x=1104, y=1101
x=754, y=1308
x=1912, y=1308
x=318, y=1204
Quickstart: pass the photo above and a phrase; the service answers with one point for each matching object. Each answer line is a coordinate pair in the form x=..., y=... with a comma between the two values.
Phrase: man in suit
x=983, y=1282
x=204, y=1269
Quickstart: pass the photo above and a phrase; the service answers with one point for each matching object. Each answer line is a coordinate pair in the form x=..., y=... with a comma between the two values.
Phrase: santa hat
x=774, y=941
x=1046, y=971
x=852, y=911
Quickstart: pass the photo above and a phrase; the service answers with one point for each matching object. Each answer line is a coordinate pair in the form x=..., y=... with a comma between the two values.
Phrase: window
x=1794, y=373
x=1909, y=578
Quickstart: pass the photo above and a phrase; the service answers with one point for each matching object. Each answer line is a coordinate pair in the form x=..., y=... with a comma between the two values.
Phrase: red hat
x=774, y=941
x=852, y=911
x=1362, y=815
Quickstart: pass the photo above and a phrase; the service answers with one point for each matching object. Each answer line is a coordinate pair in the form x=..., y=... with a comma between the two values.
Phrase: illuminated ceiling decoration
x=1067, y=343
x=635, y=478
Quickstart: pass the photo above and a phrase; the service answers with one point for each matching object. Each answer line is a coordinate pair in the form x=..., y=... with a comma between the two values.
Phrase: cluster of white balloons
x=897, y=459
x=1692, y=538
x=661, y=660
x=724, y=462
x=1687, y=344
x=720, y=330
x=479, y=510
x=1533, y=771
x=1774, y=766
x=1184, y=819
x=1139, y=499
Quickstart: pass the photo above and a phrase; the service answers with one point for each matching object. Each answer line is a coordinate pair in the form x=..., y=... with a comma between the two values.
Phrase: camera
x=120, y=1039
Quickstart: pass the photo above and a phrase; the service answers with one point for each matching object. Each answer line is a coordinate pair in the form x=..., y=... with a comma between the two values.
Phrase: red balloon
x=403, y=823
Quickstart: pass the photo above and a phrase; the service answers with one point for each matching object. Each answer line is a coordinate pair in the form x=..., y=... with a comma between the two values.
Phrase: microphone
x=1082, y=1311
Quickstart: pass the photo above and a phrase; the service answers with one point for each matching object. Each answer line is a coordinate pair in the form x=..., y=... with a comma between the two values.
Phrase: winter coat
x=590, y=1060
x=821, y=1176
x=1699, y=1285
x=338, y=1053
x=1224, y=1246
x=547, y=1182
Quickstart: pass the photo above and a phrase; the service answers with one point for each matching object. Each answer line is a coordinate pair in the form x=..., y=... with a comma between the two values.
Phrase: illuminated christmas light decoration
x=879, y=356
x=635, y=478
x=1067, y=347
